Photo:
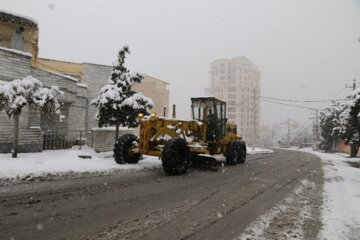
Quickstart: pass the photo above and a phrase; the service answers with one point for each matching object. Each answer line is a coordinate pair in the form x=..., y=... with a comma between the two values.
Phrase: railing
x=70, y=139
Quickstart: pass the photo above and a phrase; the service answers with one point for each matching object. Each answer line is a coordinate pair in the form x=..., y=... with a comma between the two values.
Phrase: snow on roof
x=16, y=51
x=81, y=85
x=61, y=75
x=15, y=17
x=110, y=128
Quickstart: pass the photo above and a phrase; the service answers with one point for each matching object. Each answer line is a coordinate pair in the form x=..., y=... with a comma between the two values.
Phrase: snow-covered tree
x=330, y=124
x=117, y=104
x=349, y=126
x=16, y=94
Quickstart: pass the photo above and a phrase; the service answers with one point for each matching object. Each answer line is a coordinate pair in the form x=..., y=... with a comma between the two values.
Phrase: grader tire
x=122, y=148
x=232, y=153
x=241, y=152
x=175, y=157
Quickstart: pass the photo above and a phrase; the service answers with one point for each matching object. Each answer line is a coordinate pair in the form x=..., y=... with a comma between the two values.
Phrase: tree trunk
x=333, y=145
x=16, y=135
x=354, y=149
x=117, y=132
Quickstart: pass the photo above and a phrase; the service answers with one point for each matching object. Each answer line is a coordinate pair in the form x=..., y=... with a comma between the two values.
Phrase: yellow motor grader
x=179, y=142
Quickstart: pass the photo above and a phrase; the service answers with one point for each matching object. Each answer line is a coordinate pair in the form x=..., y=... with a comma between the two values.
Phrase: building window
x=231, y=109
x=232, y=96
x=232, y=103
x=232, y=116
x=231, y=89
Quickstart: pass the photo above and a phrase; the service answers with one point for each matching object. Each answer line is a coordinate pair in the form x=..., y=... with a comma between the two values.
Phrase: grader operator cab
x=179, y=142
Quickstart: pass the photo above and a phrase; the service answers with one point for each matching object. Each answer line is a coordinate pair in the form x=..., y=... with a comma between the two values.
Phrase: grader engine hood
x=156, y=131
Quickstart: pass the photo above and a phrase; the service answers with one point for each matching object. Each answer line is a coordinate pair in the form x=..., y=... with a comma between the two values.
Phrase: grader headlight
x=139, y=117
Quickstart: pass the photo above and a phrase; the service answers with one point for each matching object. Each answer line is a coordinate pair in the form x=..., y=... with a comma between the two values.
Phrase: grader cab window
x=212, y=112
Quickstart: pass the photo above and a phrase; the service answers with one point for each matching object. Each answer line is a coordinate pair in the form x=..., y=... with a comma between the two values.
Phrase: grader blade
x=207, y=162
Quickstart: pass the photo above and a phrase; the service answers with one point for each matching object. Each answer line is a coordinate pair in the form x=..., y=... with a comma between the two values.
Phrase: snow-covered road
x=340, y=212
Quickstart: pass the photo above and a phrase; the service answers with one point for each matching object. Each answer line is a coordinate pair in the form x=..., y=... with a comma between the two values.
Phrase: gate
x=70, y=139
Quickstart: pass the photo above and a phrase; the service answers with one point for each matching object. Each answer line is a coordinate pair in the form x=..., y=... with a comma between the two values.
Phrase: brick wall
x=30, y=137
x=17, y=66
x=343, y=148
x=14, y=65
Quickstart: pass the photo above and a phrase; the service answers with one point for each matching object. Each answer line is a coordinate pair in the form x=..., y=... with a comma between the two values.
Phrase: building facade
x=237, y=81
x=80, y=82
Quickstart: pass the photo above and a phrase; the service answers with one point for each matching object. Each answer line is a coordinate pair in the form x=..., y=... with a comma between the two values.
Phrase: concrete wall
x=156, y=90
x=58, y=66
x=104, y=138
x=95, y=77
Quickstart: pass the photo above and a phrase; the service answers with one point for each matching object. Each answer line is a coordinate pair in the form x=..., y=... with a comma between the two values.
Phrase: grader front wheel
x=232, y=153
x=175, y=156
x=241, y=152
x=122, y=150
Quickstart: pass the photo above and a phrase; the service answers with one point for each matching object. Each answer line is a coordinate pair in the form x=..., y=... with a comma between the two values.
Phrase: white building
x=237, y=81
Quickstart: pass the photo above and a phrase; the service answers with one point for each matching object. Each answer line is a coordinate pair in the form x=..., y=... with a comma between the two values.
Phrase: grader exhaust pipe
x=174, y=111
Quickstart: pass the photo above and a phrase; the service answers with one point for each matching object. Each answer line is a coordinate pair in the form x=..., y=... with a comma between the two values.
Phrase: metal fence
x=71, y=139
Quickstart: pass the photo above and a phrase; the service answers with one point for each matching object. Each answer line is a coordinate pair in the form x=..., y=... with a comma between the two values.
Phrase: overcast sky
x=305, y=49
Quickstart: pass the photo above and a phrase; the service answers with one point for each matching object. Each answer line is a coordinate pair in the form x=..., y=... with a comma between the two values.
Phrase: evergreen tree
x=350, y=124
x=117, y=104
x=329, y=124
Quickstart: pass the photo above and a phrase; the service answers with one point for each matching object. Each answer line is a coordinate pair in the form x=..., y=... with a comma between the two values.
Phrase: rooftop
x=6, y=16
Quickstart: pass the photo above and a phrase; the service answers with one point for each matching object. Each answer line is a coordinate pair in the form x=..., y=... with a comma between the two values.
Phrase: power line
x=305, y=101
x=245, y=100
x=289, y=105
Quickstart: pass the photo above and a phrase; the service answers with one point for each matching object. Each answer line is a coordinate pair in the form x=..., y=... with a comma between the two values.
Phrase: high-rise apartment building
x=237, y=81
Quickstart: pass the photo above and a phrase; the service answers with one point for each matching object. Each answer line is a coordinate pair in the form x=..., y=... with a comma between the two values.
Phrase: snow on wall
x=16, y=51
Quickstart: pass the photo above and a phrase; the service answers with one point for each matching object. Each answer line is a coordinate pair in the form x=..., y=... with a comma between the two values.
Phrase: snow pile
x=341, y=212
x=61, y=162
x=258, y=150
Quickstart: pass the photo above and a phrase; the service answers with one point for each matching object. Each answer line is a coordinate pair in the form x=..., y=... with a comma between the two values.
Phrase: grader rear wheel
x=122, y=150
x=175, y=156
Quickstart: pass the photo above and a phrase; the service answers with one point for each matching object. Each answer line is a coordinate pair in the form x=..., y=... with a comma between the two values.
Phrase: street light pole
x=254, y=123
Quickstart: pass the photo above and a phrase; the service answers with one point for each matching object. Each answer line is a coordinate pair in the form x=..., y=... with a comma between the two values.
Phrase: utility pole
x=305, y=136
x=289, y=133
x=254, y=123
x=353, y=86
x=316, y=128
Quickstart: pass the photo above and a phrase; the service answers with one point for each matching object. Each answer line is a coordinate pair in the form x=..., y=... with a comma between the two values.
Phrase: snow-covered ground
x=341, y=211
x=258, y=150
x=68, y=161
x=59, y=162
